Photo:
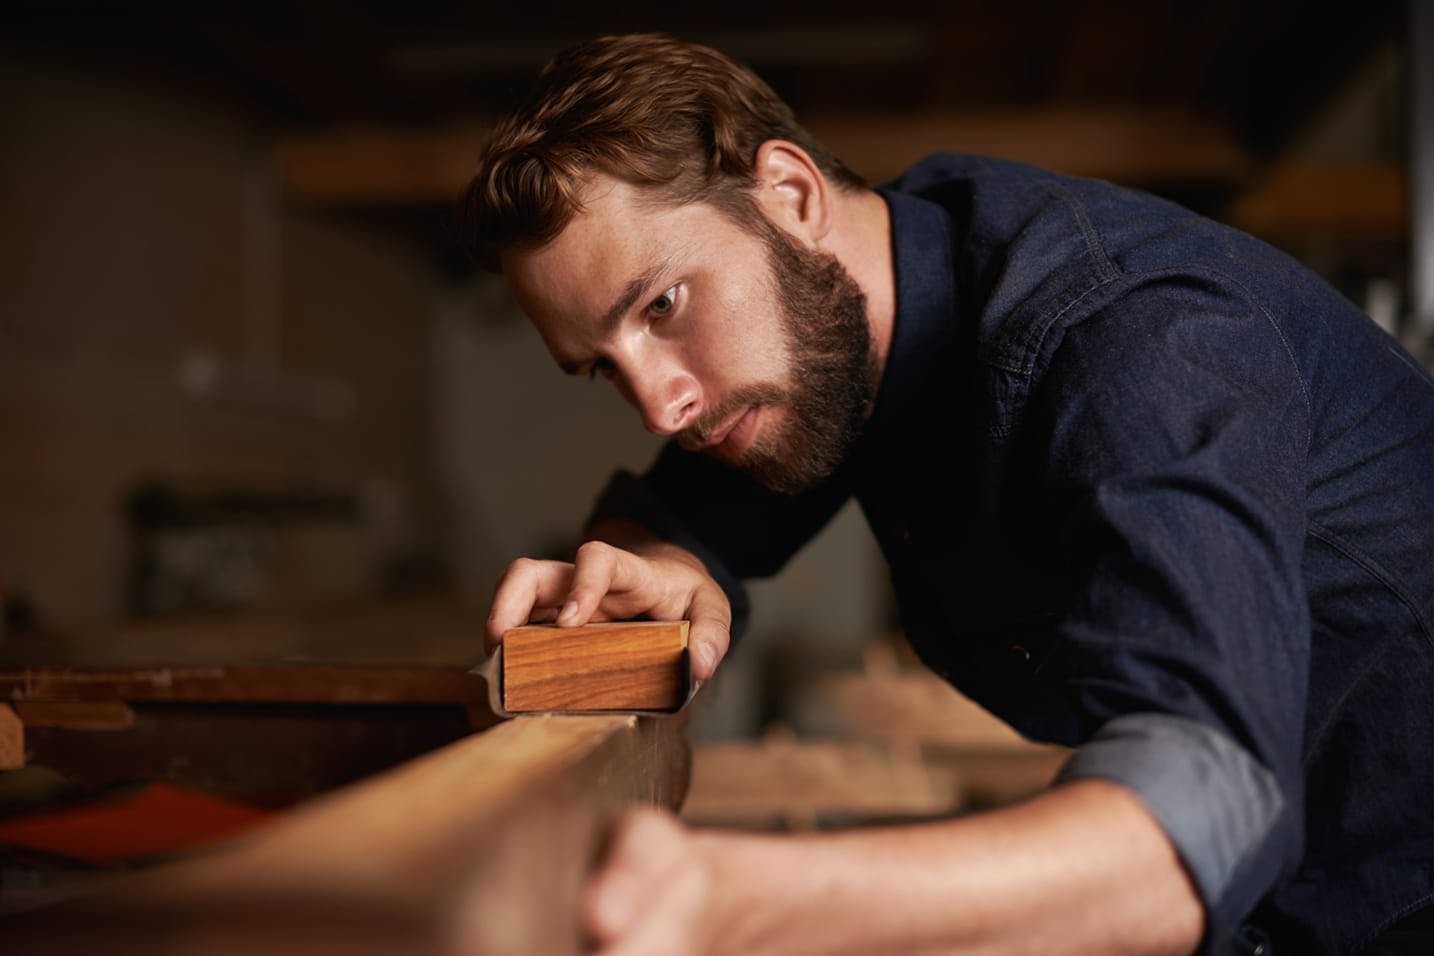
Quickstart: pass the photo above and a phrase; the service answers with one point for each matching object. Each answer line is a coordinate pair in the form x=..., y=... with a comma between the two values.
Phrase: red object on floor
x=156, y=820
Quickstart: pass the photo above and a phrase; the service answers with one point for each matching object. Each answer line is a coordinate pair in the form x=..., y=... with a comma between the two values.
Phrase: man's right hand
x=653, y=579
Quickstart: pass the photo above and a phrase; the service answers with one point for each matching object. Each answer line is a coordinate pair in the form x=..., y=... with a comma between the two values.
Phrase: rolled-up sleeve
x=1222, y=809
x=1176, y=425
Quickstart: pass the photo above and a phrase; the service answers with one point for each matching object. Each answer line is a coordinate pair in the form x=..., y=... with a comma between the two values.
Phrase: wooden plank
x=1129, y=145
x=379, y=167
x=75, y=714
x=268, y=755
x=1135, y=145
x=994, y=779
x=12, y=739
x=1299, y=202
x=289, y=684
x=904, y=710
x=624, y=665
x=480, y=847
x=798, y=783
x=912, y=706
x=270, y=735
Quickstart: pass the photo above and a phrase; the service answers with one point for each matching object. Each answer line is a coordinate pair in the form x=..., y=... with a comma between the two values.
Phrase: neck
x=861, y=240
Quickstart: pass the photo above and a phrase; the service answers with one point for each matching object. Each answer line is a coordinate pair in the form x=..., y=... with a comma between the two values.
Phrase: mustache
x=712, y=421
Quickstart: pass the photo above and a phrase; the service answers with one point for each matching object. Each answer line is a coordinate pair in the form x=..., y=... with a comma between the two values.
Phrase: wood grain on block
x=627, y=665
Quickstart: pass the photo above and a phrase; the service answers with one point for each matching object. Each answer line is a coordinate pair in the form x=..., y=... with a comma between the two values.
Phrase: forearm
x=1080, y=869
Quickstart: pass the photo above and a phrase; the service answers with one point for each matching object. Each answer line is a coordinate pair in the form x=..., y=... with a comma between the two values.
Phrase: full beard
x=832, y=370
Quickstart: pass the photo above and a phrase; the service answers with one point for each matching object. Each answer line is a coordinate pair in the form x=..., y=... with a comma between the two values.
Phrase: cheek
x=743, y=343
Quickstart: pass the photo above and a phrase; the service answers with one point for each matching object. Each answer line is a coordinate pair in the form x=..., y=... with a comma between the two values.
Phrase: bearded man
x=1147, y=488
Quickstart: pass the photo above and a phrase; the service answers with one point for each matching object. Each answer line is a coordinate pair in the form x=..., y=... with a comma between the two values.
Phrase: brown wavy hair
x=650, y=109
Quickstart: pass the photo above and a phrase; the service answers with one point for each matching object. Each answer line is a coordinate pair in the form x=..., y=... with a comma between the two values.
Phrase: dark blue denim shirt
x=1151, y=489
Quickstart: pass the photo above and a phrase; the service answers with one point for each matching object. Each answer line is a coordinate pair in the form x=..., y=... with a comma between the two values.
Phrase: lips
x=729, y=439
x=739, y=435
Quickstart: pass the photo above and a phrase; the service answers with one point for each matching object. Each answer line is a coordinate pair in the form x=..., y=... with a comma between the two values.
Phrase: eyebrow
x=613, y=316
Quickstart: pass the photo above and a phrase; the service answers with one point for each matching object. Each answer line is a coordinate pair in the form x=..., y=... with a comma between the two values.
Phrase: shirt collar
x=924, y=326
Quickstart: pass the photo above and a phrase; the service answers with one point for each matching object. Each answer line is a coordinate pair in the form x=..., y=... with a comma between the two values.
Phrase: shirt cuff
x=628, y=496
x=1220, y=807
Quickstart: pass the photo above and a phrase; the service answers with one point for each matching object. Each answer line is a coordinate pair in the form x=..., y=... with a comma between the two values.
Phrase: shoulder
x=1149, y=344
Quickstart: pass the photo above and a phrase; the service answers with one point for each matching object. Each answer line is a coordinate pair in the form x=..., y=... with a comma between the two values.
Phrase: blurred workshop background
x=255, y=406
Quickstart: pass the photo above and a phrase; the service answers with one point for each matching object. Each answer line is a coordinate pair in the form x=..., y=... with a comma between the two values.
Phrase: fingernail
x=570, y=611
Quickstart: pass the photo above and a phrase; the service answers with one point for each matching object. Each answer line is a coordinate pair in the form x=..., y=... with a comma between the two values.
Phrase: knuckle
x=594, y=550
x=513, y=572
x=522, y=566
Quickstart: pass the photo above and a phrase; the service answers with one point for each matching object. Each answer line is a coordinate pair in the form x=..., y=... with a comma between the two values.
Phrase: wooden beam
x=75, y=714
x=1300, y=201
x=268, y=735
x=480, y=847
x=379, y=167
x=623, y=665
x=1141, y=146
x=1132, y=146
x=798, y=783
x=12, y=739
x=289, y=684
x=912, y=706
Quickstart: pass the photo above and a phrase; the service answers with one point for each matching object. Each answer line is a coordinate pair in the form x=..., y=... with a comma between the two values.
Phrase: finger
x=601, y=572
x=549, y=615
x=668, y=923
x=710, y=633
x=526, y=586
x=592, y=576
x=646, y=849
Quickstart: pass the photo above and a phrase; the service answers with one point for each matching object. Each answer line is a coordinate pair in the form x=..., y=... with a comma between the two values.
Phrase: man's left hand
x=653, y=895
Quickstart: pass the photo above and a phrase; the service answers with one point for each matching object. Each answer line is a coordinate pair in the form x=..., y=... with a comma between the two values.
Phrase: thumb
x=710, y=633
x=646, y=846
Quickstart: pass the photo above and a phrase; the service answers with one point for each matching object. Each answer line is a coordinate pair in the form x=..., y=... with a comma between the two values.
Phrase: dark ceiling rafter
x=1285, y=58
x=1264, y=65
x=1251, y=74
x=303, y=67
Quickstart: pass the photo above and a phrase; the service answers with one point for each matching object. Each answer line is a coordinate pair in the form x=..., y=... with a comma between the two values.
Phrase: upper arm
x=1175, y=427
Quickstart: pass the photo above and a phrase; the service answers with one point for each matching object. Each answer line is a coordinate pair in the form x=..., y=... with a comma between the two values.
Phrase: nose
x=666, y=398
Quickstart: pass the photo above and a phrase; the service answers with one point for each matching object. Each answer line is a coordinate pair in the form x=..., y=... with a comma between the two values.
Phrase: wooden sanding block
x=624, y=665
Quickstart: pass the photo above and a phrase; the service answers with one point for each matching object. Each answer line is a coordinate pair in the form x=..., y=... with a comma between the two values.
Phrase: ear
x=792, y=191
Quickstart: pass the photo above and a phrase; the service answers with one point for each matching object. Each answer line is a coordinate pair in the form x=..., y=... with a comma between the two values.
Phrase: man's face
x=751, y=348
